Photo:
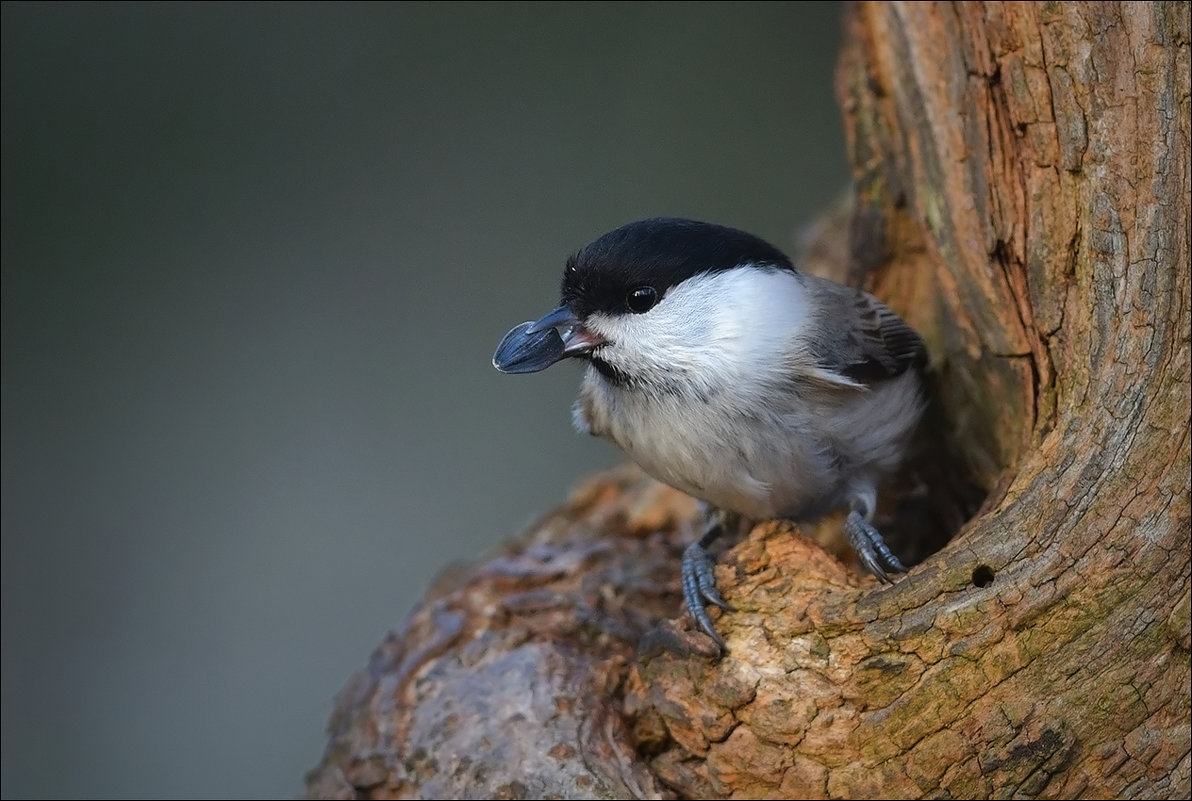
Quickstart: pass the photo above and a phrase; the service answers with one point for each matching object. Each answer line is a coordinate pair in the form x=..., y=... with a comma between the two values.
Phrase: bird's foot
x=699, y=582
x=871, y=548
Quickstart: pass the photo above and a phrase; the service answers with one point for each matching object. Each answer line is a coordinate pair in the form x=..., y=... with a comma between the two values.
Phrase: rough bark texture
x=1022, y=197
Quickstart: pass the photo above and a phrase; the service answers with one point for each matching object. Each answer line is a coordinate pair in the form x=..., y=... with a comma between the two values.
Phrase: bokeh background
x=255, y=262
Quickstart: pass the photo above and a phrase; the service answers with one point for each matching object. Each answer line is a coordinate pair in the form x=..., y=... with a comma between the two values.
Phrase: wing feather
x=860, y=337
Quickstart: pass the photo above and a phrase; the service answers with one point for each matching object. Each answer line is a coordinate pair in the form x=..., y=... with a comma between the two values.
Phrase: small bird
x=723, y=371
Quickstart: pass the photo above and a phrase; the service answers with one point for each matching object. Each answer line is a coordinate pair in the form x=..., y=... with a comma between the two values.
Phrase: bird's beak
x=535, y=346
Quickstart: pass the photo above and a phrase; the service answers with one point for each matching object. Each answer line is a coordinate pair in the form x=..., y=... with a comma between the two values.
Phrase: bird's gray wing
x=860, y=337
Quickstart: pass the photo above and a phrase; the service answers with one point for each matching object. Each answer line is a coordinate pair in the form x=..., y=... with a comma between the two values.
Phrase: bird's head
x=660, y=298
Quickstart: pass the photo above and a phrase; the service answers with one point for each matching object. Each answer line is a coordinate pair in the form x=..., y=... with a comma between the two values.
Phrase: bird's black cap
x=659, y=252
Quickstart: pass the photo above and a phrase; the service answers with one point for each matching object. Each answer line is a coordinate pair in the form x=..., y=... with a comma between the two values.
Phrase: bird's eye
x=642, y=299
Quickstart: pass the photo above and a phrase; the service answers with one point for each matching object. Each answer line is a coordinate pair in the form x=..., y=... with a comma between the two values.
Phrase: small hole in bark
x=982, y=575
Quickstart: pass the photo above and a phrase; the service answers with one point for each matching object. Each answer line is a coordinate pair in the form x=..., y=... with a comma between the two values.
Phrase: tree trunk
x=1022, y=197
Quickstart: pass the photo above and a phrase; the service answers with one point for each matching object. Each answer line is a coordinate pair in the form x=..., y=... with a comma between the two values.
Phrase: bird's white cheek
x=737, y=322
x=640, y=343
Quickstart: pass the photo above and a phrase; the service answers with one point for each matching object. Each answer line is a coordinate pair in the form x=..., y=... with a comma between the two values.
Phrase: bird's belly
x=718, y=456
x=757, y=486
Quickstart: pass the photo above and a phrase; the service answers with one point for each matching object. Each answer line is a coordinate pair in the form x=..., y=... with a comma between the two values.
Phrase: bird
x=723, y=370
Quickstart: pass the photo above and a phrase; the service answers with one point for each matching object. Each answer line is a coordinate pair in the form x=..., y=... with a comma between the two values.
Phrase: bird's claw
x=699, y=589
x=871, y=548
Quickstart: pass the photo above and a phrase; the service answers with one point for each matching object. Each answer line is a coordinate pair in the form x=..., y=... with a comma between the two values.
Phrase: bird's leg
x=868, y=543
x=699, y=582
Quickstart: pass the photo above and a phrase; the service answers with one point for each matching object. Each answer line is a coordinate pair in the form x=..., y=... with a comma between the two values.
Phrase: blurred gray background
x=255, y=262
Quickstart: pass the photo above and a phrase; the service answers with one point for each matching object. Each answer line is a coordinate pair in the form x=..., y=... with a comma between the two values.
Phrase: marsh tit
x=723, y=371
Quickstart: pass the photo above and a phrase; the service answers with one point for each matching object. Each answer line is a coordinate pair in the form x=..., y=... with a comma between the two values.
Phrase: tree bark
x=1022, y=197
